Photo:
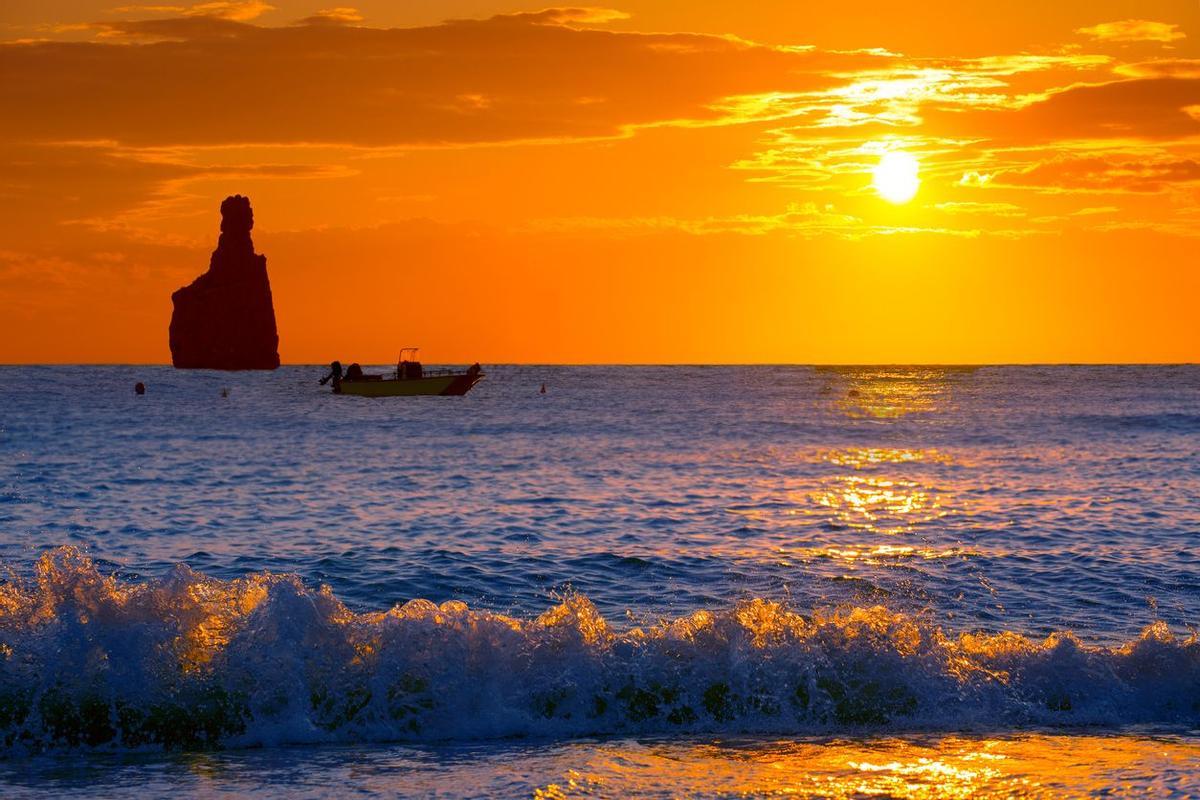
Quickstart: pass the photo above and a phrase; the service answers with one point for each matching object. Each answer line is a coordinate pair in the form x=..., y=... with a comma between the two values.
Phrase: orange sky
x=647, y=182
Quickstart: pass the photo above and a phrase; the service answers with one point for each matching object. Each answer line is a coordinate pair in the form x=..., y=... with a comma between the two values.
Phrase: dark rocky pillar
x=225, y=318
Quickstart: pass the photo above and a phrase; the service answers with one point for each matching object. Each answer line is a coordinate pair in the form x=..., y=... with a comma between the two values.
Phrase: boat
x=410, y=379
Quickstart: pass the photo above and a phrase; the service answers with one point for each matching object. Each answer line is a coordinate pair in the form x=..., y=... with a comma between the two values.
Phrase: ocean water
x=667, y=581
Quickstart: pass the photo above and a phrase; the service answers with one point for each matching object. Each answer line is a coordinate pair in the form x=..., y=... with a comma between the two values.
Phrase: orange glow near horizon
x=642, y=182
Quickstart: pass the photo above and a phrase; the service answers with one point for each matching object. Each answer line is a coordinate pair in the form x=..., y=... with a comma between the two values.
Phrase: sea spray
x=189, y=661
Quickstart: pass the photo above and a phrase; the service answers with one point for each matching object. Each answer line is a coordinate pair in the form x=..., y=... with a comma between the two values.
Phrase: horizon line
x=954, y=364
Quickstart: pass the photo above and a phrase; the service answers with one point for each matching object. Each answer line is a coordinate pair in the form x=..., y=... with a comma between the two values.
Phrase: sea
x=643, y=581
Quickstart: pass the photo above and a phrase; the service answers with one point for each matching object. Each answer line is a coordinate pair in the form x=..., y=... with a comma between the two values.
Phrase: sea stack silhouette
x=225, y=319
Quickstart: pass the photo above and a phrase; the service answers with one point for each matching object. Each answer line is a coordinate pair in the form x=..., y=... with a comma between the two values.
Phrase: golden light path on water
x=1034, y=765
x=847, y=515
x=879, y=394
x=868, y=502
x=881, y=503
x=857, y=515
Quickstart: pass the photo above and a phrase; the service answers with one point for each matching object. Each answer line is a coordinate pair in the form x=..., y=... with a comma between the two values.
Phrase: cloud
x=178, y=29
x=1106, y=174
x=900, y=92
x=205, y=83
x=101, y=186
x=235, y=10
x=564, y=16
x=1133, y=30
x=800, y=220
x=1162, y=68
x=1150, y=108
x=1184, y=227
x=205, y=80
x=807, y=219
x=988, y=209
x=976, y=178
x=342, y=15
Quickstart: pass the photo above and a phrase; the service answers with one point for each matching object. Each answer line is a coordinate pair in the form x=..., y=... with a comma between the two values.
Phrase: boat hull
x=444, y=385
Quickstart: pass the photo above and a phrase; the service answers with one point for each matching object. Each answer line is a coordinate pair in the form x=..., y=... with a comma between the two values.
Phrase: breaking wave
x=87, y=660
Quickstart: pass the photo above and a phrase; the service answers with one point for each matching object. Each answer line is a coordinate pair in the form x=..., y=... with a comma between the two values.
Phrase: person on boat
x=474, y=369
x=335, y=374
x=354, y=372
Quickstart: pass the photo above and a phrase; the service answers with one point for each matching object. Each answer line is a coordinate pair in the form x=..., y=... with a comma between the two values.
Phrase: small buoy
x=139, y=388
x=543, y=391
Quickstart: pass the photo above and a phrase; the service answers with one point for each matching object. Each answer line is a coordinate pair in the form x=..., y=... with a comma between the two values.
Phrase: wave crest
x=191, y=661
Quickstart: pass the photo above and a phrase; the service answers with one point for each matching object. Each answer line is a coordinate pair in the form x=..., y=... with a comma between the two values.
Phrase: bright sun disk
x=895, y=176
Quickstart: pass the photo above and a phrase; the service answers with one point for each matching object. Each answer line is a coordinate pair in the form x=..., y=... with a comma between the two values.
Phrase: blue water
x=648, y=551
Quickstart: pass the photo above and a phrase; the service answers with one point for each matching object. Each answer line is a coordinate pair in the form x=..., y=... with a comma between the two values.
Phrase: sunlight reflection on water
x=1027, y=766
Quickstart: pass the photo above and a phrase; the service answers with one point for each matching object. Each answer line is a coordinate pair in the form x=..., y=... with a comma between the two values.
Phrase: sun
x=895, y=176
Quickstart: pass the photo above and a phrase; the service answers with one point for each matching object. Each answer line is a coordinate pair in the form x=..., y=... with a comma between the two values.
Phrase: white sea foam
x=188, y=660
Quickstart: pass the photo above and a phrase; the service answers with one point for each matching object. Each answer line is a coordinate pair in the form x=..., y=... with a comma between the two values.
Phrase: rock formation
x=224, y=319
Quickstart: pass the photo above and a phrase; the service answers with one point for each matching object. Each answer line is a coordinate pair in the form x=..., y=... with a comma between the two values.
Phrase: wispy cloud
x=1107, y=174
x=236, y=10
x=800, y=220
x=341, y=15
x=975, y=207
x=1162, y=68
x=1013, y=127
x=1133, y=30
x=587, y=15
x=400, y=86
